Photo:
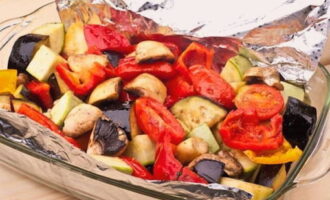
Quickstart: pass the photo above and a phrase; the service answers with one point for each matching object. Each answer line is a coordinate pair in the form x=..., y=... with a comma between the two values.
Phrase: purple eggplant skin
x=298, y=122
x=266, y=174
x=113, y=57
x=118, y=112
x=210, y=170
x=24, y=50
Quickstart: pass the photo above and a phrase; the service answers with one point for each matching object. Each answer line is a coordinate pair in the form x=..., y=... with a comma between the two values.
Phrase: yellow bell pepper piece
x=284, y=154
x=8, y=80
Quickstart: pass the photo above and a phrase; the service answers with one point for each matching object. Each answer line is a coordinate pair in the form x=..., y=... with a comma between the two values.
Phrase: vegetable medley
x=157, y=109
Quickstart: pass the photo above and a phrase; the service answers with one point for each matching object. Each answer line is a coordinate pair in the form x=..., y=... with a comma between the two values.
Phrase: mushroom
x=191, y=148
x=108, y=90
x=268, y=75
x=107, y=139
x=81, y=62
x=204, y=163
x=147, y=85
x=208, y=166
x=232, y=167
x=81, y=119
x=151, y=50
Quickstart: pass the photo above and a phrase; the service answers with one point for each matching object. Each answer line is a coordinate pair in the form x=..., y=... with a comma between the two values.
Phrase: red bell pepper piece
x=242, y=129
x=42, y=91
x=166, y=166
x=156, y=121
x=44, y=121
x=85, y=82
x=208, y=83
x=177, y=89
x=189, y=176
x=138, y=169
x=105, y=38
x=128, y=69
x=196, y=54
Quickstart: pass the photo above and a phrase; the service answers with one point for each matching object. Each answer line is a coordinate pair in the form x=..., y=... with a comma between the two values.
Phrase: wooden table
x=14, y=186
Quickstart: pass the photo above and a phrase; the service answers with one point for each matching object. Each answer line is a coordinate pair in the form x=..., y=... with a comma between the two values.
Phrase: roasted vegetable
x=75, y=42
x=82, y=83
x=81, y=119
x=299, y=120
x=190, y=149
x=22, y=79
x=258, y=192
x=142, y=149
x=155, y=120
x=204, y=132
x=63, y=106
x=138, y=169
x=107, y=139
x=194, y=111
x=291, y=90
x=242, y=129
x=24, y=49
x=209, y=167
x=232, y=167
x=106, y=38
x=135, y=130
x=248, y=166
x=118, y=112
x=8, y=80
x=147, y=85
x=43, y=63
x=84, y=62
x=41, y=90
x=284, y=154
x=268, y=75
x=166, y=166
x=271, y=176
x=113, y=57
x=17, y=103
x=209, y=84
x=266, y=100
x=55, y=31
x=5, y=102
x=114, y=162
x=108, y=90
x=152, y=51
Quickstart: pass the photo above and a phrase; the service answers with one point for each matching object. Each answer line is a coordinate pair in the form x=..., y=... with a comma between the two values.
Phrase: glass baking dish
x=85, y=184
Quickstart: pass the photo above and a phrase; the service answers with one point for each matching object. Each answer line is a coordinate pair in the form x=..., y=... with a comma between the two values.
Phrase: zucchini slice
x=194, y=111
x=55, y=31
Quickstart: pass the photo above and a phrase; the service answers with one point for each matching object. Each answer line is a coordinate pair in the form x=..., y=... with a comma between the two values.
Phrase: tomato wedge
x=208, y=83
x=156, y=121
x=266, y=100
x=242, y=129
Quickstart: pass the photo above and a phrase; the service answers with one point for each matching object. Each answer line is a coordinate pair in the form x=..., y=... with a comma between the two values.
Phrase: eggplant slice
x=107, y=139
x=298, y=122
x=24, y=49
x=119, y=112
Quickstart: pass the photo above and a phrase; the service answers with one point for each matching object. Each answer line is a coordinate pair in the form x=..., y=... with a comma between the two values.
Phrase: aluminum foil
x=286, y=34
x=22, y=130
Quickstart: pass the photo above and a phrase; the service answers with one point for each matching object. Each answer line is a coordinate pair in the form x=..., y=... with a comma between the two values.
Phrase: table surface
x=17, y=187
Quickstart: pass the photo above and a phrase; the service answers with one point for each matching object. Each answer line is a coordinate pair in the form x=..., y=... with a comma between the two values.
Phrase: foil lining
x=22, y=130
x=286, y=34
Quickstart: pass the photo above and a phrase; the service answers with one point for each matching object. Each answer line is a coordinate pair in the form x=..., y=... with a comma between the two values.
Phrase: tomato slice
x=208, y=83
x=242, y=129
x=266, y=100
x=156, y=121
